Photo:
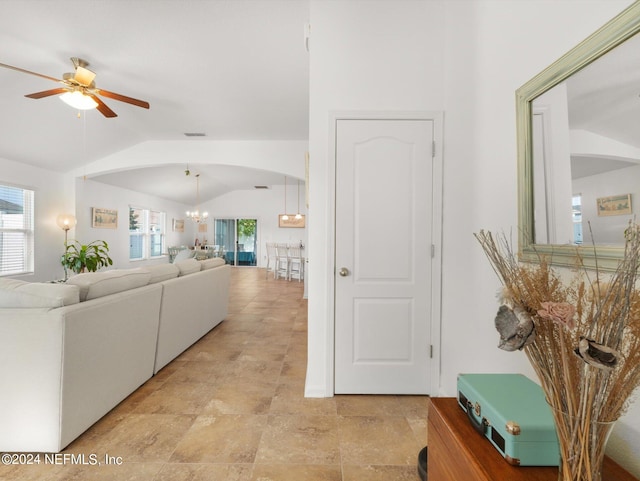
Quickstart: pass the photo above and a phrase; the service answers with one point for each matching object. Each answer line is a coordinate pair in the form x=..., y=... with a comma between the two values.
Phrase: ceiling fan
x=81, y=86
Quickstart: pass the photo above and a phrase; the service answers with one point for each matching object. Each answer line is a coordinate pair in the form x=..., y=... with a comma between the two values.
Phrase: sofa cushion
x=98, y=284
x=188, y=266
x=16, y=293
x=162, y=272
x=211, y=263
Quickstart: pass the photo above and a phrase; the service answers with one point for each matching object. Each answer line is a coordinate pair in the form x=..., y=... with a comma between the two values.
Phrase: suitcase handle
x=481, y=426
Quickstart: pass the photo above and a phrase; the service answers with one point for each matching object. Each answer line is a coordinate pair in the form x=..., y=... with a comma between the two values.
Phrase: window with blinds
x=16, y=230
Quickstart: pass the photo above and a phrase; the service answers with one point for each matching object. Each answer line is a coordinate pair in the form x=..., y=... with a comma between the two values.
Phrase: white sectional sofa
x=71, y=352
x=190, y=297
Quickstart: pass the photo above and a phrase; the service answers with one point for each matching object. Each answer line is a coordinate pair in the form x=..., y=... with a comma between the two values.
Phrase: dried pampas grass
x=586, y=340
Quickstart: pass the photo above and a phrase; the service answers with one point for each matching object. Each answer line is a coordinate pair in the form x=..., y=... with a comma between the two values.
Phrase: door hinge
x=307, y=35
x=433, y=251
x=431, y=351
x=433, y=149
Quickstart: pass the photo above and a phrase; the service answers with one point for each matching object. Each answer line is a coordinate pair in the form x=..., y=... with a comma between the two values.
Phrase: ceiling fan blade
x=47, y=93
x=29, y=72
x=102, y=107
x=123, y=98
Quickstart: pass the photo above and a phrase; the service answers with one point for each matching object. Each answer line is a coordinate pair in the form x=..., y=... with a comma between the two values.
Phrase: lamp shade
x=78, y=100
x=66, y=221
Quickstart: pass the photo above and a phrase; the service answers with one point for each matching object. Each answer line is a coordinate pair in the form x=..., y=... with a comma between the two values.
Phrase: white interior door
x=383, y=256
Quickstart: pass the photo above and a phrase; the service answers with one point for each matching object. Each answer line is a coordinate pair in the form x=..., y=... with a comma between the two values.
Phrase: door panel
x=382, y=189
x=383, y=239
x=378, y=340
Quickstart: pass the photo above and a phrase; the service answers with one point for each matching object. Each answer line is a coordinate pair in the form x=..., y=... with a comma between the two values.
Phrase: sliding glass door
x=239, y=238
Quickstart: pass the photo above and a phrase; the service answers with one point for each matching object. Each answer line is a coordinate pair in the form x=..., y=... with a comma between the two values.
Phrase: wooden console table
x=457, y=452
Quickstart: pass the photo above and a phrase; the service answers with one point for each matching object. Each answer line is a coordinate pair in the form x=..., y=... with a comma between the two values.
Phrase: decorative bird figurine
x=516, y=328
x=597, y=355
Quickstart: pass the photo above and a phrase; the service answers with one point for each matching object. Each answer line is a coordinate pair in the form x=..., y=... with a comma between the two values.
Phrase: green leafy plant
x=246, y=227
x=91, y=257
x=133, y=219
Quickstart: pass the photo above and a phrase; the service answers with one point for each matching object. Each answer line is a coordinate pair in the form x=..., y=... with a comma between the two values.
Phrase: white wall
x=53, y=196
x=95, y=194
x=468, y=59
x=608, y=229
x=263, y=205
x=493, y=47
x=286, y=157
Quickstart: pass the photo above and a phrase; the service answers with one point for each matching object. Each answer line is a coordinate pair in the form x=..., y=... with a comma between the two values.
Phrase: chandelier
x=195, y=215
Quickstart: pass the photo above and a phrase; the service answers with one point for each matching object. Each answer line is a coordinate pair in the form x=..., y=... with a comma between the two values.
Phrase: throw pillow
x=188, y=266
x=182, y=255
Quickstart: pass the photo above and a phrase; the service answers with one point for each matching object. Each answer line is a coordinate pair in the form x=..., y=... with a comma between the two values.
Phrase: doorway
x=239, y=240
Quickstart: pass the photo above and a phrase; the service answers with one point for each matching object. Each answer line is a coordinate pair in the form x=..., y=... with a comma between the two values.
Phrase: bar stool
x=282, y=261
x=272, y=258
x=296, y=263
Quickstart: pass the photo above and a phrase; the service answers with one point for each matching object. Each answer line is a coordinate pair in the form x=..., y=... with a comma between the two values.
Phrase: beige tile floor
x=231, y=408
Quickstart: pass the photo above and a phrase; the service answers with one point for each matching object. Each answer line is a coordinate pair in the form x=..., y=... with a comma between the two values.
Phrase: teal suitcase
x=510, y=410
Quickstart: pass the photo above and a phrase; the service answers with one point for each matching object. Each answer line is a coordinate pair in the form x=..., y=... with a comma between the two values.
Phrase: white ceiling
x=604, y=98
x=232, y=69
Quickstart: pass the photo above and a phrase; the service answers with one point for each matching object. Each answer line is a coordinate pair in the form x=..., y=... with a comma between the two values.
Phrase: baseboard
x=316, y=392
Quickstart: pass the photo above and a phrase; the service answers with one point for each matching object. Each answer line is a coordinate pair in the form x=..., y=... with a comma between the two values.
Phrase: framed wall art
x=178, y=225
x=104, y=218
x=614, y=205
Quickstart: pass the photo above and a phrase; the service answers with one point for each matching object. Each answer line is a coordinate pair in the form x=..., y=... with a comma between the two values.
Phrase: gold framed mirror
x=543, y=195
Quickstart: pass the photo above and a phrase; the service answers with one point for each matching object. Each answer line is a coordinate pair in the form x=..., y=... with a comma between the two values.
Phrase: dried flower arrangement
x=582, y=338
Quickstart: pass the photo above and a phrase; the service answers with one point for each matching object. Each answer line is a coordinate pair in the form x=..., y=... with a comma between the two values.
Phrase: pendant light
x=285, y=216
x=298, y=215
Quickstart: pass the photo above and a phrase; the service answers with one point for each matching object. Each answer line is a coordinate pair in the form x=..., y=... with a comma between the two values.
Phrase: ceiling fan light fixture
x=78, y=100
x=84, y=76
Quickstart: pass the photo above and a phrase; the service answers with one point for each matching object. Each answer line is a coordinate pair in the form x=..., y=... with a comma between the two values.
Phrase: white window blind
x=16, y=230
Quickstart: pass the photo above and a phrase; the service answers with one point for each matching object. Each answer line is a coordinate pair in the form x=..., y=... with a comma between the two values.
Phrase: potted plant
x=91, y=257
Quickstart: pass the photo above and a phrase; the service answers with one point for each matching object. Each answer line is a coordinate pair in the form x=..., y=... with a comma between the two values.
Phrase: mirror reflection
x=586, y=152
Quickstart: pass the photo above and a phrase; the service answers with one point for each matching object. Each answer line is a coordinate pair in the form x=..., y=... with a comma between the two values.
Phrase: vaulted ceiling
x=230, y=69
